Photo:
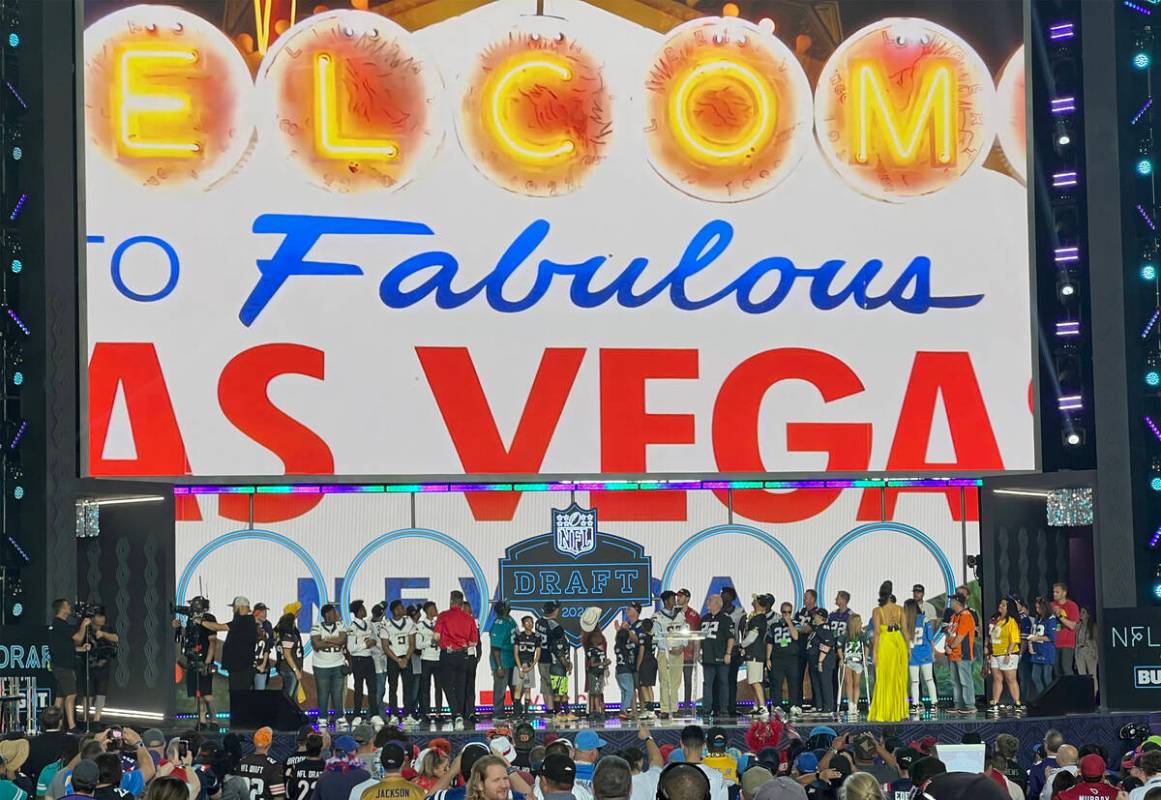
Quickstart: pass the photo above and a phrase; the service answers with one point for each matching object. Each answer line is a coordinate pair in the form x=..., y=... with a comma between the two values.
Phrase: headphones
x=662, y=794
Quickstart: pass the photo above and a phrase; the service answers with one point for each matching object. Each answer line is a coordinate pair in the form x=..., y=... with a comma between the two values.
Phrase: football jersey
x=756, y=625
x=302, y=776
x=626, y=657
x=546, y=629
x=526, y=644
x=668, y=625
x=396, y=633
x=425, y=643
x=783, y=644
x=393, y=788
x=358, y=632
x=263, y=775
x=724, y=763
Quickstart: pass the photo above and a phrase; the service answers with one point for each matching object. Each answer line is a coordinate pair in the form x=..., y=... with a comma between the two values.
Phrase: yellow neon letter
x=494, y=102
x=326, y=115
x=717, y=75
x=932, y=105
x=133, y=100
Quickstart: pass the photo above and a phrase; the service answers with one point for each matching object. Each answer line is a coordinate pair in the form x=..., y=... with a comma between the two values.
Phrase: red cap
x=1092, y=766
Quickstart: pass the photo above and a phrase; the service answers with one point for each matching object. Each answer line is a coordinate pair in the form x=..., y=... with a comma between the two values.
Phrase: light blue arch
x=250, y=534
x=743, y=530
x=891, y=527
x=483, y=604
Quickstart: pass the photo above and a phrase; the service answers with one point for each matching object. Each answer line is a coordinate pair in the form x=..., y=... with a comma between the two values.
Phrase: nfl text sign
x=1131, y=657
x=577, y=566
x=279, y=314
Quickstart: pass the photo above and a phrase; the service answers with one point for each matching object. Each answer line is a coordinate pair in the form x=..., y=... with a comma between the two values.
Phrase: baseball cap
x=559, y=768
x=240, y=601
x=525, y=734
x=807, y=762
x=918, y=588
x=907, y=756
x=1092, y=766
x=753, y=778
x=263, y=737
x=927, y=768
x=86, y=775
x=502, y=747
x=153, y=738
x=469, y=755
x=684, y=592
x=865, y=746
x=305, y=730
x=822, y=730
x=716, y=738
x=392, y=757
x=363, y=733
x=781, y=788
x=14, y=753
x=345, y=744
x=549, y=607
x=261, y=607
x=589, y=740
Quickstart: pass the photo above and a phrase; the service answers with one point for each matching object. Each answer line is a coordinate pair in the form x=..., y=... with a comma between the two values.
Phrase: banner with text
x=617, y=239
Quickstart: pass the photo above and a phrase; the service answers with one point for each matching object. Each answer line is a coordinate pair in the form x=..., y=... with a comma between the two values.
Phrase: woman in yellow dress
x=889, y=702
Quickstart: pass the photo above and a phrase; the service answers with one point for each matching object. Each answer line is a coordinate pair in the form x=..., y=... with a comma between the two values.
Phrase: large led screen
x=464, y=238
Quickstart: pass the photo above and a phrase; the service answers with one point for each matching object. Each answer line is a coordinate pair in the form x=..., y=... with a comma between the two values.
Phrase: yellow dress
x=889, y=703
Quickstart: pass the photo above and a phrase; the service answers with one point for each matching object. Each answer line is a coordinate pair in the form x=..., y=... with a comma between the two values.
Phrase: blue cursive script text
x=432, y=273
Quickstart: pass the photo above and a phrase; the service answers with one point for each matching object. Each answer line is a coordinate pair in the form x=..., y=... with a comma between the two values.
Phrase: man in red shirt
x=1092, y=783
x=455, y=632
x=691, y=656
x=1068, y=616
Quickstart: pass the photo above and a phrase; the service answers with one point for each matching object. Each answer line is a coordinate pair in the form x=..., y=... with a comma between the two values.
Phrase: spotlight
x=18, y=492
x=17, y=153
x=1073, y=436
x=1141, y=60
x=1066, y=283
x=1145, y=167
x=14, y=40
x=16, y=265
x=1152, y=378
x=1063, y=139
x=1149, y=272
x=17, y=378
x=1155, y=483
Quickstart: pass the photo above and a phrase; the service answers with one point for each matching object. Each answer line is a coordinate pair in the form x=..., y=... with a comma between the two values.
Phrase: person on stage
x=1004, y=641
x=918, y=628
x=889, y=699
x=456, y=631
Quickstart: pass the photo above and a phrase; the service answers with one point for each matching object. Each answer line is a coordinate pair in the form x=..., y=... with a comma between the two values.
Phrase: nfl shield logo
x=574, y=530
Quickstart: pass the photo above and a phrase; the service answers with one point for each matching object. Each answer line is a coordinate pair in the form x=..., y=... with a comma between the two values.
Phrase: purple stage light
x=1071, y=402
x=1063, y=105
x=19, y=322
x=19, y=435
x=1140, y=9
x=1060, y=31
x=1068, y=329
x=1065, y=255
x=1140, y=113
x=1145, y=216
x=1062, y=179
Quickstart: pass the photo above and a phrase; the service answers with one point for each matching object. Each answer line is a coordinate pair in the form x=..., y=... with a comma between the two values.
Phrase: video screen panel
x=615, y=237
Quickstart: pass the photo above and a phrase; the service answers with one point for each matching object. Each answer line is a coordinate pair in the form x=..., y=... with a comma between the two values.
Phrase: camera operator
x=264, y=647
x=198, y=651
x=65, y=639
x=100, y=649
x=241, y=643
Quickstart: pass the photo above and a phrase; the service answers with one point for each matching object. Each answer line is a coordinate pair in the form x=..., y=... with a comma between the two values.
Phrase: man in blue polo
x=588, y=750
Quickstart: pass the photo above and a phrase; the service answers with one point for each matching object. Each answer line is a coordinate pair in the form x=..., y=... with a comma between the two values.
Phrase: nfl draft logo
x=574, y=530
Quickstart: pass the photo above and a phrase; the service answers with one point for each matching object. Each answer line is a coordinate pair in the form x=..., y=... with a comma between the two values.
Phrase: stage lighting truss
x=1062, y=227
x=15, y=332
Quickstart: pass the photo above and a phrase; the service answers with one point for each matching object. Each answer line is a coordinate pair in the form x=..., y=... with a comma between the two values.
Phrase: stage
x=947, y=728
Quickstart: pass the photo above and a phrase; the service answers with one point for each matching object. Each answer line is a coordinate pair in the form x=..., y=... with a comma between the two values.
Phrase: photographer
x=65, y=639
x=100, y=648
x=241, y=643
x=198, y=648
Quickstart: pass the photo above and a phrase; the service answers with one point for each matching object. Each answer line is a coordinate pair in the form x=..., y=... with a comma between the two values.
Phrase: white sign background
x=375, y=409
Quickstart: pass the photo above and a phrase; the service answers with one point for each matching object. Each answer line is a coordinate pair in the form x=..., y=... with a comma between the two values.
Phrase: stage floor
x=947, y=728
